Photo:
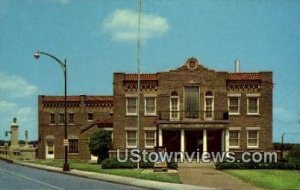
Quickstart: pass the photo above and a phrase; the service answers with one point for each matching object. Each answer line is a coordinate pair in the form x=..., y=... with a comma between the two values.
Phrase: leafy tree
x=99, y=144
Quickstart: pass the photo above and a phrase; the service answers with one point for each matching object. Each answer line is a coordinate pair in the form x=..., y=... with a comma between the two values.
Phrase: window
x=191, y=94
x=131, y=137
x=90, y=116
x=150, y=103
x=253, y=103
x=174, y=106
x=252, y=139
x=73, y=146
x=52, y=118
x=61, y=118
x=234, y=139
x=71, y=118
x=209, y=105
x=149, y=139
x=234, y=105
x=131, y=106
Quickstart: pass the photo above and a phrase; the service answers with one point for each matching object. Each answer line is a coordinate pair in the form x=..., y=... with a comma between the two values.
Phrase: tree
x=99, y=144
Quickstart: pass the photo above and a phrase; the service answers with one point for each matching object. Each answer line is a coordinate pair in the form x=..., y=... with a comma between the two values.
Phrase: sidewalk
x=205, y=174
x=147, y=184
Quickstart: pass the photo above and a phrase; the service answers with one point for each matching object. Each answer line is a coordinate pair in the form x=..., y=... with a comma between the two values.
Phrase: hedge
x=112, y=163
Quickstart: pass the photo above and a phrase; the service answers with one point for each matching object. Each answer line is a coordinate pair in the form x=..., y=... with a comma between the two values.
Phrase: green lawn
x=83, y=165
x=270, y=179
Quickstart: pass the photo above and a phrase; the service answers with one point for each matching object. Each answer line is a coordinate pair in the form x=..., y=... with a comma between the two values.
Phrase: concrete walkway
x=205, y=174
x=145, y=184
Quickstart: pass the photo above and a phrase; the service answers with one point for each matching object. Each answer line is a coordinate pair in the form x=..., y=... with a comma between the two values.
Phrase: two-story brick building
x=191, y=108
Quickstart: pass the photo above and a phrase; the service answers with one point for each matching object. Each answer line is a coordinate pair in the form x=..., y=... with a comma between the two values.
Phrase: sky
x=98, y=38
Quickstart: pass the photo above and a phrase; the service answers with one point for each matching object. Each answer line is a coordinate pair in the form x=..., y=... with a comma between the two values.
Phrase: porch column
x=226, y=140
x=182, y=144
x=160, y=140
x=222, y=140
x=204, y=140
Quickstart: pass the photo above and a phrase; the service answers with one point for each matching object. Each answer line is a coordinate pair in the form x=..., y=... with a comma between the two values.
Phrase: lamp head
x=36, y=55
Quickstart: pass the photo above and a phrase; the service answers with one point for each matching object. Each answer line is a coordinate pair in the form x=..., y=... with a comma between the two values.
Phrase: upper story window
x=61, y=118
x=252, y=104
x=150, y=106
x=234, y=104
x=209, y=105
x=174, y=106
x=191, y=100
x=131, y=106
x=71, y=118
x=90, y=116
x=52, y=118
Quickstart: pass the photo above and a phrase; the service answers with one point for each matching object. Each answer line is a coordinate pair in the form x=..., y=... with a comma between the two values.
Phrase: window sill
x=234, y=114
x=150, y=115
x=131, y=147
x=234, y=147
x=131, y=115
x=71, y=124
x=90, y=121
x=253, y=114
x=52, y=124
x=253, y=147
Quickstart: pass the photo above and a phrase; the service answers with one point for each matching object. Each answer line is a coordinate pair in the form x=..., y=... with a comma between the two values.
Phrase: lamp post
x=63, y=65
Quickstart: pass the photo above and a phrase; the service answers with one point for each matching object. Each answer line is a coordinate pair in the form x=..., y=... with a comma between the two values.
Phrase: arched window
x=209, y=105
x=174, y=106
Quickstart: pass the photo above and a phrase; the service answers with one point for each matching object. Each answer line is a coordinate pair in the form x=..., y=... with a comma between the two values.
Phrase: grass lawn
x=270, y=179
x=92, y=167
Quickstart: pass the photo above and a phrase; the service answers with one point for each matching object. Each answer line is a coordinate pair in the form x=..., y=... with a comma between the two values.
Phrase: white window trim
x=257, y=104
x=178, y=108
x=50, y=119
x=127, y=146
x=88, y=117
x=146, y=139
x=131, y=114
x=239, y=139
x=145, y=106
x=239, y=105
x=257, y=146
x=212, y=107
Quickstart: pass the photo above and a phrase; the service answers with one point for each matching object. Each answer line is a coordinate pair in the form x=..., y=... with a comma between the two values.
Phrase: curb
x=6, y=160
x=134, y=182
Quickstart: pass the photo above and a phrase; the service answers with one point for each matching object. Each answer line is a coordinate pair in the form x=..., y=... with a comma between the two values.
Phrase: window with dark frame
x=52, y=118
x=71, y=118
x=73, y=146
x=90, y=116
x=61, y=118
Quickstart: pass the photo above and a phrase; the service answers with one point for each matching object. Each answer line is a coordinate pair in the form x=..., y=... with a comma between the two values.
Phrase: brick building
x=84, y=112
x=191, y=108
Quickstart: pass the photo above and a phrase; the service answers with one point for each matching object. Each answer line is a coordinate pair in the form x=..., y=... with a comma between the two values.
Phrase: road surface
x=15, y=177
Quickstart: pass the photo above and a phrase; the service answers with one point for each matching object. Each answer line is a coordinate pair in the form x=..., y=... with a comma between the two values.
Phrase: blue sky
x=97, y=38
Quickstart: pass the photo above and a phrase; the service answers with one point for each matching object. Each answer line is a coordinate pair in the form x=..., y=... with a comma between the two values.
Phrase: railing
x=193, y=115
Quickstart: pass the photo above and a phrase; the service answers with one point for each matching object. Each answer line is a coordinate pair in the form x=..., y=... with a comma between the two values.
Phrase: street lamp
x=63, y=65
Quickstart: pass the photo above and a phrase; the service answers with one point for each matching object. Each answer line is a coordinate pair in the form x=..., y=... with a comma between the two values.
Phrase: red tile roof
x=134, y=77
x=245, y=76
x=100, y=124
x=77, y=98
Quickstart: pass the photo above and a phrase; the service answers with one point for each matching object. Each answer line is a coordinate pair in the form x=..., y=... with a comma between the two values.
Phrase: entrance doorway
x=49, y=149
x=171, y=140
x=193, y=141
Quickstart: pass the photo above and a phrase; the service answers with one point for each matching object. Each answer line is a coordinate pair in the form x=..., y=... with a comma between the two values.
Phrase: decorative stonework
x=192, y=63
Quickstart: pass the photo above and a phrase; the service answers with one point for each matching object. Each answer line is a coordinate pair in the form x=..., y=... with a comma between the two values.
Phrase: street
x=15, y=177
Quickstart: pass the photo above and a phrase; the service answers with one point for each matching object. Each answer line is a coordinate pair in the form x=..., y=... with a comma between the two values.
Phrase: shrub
x=99, y=144
x=112, y=163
